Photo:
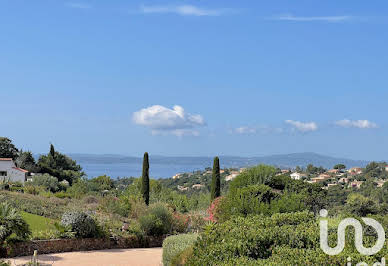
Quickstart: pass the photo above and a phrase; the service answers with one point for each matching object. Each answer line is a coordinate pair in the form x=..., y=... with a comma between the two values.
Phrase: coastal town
x=338, y=176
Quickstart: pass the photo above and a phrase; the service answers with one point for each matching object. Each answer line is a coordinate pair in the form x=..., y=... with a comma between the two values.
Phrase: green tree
x=103, y=182
x=59, y=165
x=339, y=166
x=215, y=191
x=12, y=223
x=145, y=180
x=7, y=149
x=26, y=161
x=360, y=205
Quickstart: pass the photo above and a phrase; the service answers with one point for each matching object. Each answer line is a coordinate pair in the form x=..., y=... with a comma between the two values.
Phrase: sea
x=115, y=170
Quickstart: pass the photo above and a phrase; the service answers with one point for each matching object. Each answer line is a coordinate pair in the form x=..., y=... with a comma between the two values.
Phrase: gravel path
x=111, y=257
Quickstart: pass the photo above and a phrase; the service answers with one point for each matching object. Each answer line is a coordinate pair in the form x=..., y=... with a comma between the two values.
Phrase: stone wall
x=69, y=245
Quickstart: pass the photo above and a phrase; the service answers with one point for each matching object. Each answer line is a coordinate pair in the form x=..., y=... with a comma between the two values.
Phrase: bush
x=39, y=205
x=157, y=220
x=260, y=174
x=115, y=205
x=282, y=239
x=11, y=223
x=82, y=224
x=173, y=246
x=49, y=182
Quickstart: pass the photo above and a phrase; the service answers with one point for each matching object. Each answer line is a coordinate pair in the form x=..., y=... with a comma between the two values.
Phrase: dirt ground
x=112, y=257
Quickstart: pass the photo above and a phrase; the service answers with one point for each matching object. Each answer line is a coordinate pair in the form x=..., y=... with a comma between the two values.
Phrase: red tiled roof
x=5, y=159
x=20, y=169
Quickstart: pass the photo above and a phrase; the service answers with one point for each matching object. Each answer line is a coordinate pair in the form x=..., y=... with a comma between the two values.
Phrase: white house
x=297, y=176
x=9, y=171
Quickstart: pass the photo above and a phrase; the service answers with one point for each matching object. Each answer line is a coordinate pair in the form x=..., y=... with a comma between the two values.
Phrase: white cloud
x=250, y=130
x=363, y=124
x=162, y=120
x=183, y=10
x=332, y=19
x=78, y=5
x=303, y=126
x=245, y=130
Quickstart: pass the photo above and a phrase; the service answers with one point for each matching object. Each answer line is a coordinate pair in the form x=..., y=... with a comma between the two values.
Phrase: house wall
x=13, y=175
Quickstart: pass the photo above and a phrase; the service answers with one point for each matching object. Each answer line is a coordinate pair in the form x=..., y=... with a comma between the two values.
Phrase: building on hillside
x=343, y=180
x=232, y=175
x=356, y=184
x=297, y=176
x=321, y=178
x=10, y=173
x=334, y=171
x=380, y=183
x=285, y=171
x=386, y=168
x=355, y=171
x=197, y=186
x=182, y=188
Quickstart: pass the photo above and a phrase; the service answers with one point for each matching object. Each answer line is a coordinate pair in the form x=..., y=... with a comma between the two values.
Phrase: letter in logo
x=358, y=235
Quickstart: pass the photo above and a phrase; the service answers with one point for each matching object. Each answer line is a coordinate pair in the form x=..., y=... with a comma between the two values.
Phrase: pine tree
x=216, y=179
x=145, y=180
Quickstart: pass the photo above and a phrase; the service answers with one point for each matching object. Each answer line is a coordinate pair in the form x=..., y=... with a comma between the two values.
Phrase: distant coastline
x=165, y=166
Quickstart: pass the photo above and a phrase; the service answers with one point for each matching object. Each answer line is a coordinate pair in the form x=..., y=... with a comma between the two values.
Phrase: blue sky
x=195, y=77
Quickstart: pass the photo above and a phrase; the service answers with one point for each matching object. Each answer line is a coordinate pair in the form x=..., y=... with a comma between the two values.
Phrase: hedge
x=173, y=246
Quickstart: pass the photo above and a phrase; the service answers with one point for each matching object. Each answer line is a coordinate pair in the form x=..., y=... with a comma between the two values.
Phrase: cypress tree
x=52, y=150
x=145, y=180
x=216, y=180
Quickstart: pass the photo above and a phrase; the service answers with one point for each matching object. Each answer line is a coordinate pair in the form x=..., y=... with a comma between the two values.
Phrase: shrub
x=62, y=195
x=180, y=223
x=82, y=224
x=173, y=246
x=282, y=239
x=33, y=190
x=12, y=223
x=90, y=200
x=49, y=182
x=260, y=174
x=115, y=205
x=157, y=221
x=47, y=207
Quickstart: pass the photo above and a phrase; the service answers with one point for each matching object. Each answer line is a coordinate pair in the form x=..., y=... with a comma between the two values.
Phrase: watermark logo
x=358, y=235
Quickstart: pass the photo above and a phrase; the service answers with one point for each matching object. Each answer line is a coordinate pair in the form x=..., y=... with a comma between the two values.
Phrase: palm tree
x=12, y=223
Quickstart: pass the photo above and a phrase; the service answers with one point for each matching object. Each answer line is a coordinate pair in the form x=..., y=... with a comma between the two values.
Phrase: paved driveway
x=111, y=257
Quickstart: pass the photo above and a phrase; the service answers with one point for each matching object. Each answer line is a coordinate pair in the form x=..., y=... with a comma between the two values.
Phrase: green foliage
x=174, y=245
x=376, y=170
x=60, y=166
x=215, y=190
x=312, y=170
x=82, y=224
x=39, y=205
x=26, y=161
x=46, y=181
x=157, y=221
x=339, y=166
x=102, y=183
x=116, y=205
x=8, y=149
x=11, y=222
x=359, y=205
x=282, y=239
x=145, y=180
x=260, y=174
